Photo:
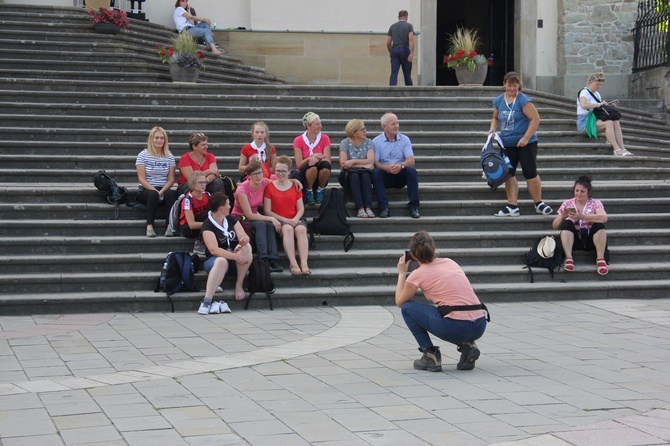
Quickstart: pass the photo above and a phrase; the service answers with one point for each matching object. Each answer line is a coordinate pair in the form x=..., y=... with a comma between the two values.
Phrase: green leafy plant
x=184, y=52
x=114, y=16
x=463, y=45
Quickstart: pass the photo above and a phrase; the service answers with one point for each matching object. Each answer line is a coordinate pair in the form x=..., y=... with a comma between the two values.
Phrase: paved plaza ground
x=593, y=372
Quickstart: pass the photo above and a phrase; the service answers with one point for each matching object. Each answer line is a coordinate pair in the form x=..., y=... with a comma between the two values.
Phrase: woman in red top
x=198, y=158
x=260, y=149
x=312, y=158
x=444, y=283
x=282, y=201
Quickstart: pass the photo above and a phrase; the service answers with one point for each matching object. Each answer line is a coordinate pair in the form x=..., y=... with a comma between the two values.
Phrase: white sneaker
x=214, y=308
x=224, y=308
x=205, y=307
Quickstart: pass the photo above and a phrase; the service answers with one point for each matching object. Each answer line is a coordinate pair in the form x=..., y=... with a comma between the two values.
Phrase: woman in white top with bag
x=589, y=99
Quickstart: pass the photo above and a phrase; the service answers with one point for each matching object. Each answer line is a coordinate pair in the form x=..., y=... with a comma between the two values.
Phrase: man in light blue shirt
x=394, y=166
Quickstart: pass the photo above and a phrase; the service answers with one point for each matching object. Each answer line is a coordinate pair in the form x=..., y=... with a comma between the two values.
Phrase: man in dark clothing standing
x=400, y=43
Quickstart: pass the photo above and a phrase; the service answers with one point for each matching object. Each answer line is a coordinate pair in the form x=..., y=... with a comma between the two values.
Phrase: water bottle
x=507, y=161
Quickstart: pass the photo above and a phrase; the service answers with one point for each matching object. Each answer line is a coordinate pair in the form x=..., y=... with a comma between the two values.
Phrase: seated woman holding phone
x=589, y=98
x=582, y=223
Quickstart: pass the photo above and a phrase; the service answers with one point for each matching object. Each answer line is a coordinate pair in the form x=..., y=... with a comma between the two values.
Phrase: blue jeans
x=399, y=55
x=422, y=319
x=406, y=177
x=202, y=31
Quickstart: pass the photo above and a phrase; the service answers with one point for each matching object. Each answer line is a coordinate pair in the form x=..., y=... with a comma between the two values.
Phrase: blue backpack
x=496, y=165
x=178, y=274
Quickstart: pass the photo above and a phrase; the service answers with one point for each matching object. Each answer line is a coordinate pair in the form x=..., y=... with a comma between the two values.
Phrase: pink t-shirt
x=299, y=143
x=255, y=196
x=443, y=282
x=592, y=205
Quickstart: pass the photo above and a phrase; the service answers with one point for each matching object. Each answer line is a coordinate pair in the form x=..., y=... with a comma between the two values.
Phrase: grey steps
x=87, y=302
x=139, y=281
x=553, y=192
x=91, y=207
x=425, y=175
x=423, y=162
x=431, y=223
x=453, y=244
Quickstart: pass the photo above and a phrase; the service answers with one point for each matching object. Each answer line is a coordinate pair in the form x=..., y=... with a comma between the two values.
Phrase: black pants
x=150, y=199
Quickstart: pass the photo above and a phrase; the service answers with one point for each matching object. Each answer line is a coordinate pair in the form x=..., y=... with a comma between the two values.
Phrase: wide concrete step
x=453, y=244
x=61, y=207
x=138, y=281
x=423, y=162
x=425, y=175
x=95, y=228
x=86, y=302
x=552, y=192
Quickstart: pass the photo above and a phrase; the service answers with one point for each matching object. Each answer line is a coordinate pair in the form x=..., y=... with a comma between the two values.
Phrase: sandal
x=601, y=267
x=295, y=270
x=569, y=264
x=361, y=213
x=370, y=213
x=622, y=152
x=305, y=270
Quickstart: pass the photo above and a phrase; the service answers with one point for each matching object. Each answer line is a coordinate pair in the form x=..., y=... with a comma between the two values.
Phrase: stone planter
x=467, y=77
x=182, y=74
x=107, y=28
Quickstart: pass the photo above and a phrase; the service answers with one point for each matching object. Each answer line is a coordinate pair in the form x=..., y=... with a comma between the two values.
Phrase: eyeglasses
x=201, y=183
x=280, y=172
x=363, y=129
x=257, y=174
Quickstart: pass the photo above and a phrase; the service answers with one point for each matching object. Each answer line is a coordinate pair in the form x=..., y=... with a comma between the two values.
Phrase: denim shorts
x=581, y=123
x=209, y=264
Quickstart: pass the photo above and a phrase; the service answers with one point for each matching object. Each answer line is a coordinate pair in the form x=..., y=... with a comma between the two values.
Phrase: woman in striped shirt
x=156, y=173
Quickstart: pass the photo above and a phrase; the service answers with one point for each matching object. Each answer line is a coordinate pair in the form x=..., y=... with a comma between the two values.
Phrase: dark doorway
x=495, y=21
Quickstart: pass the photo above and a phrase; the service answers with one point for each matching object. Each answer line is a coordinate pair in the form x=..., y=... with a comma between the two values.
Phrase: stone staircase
x=61, y=251
x=48, y=43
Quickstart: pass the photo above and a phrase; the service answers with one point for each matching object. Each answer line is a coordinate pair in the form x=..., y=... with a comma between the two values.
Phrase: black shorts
x=527, y=156
x=583, y=238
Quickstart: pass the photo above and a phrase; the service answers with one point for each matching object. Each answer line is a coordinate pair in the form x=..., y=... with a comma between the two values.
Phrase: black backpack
x=178, y=274
x=110, y=192
x=259, y=280
x=331, y=219
x=534, y=259
x=495, y=164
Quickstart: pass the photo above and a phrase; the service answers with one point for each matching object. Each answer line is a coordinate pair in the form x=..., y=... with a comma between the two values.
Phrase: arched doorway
x=495, y=21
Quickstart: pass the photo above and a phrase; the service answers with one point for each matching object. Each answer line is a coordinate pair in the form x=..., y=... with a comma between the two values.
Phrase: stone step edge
x=326, y=273
x=583, y=288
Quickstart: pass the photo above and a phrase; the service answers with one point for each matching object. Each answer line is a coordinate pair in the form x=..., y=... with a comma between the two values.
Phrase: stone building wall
x=595, y=35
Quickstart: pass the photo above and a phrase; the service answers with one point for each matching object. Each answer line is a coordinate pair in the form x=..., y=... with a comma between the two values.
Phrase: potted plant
x=470, y=66
x=108, y=21
x=184, y=58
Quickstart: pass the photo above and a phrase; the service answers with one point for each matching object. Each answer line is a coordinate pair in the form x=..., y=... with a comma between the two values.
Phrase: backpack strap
x=446, y=309
x=348, y=241
x=591, y=93
x=530, y=271
x=310, y=227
